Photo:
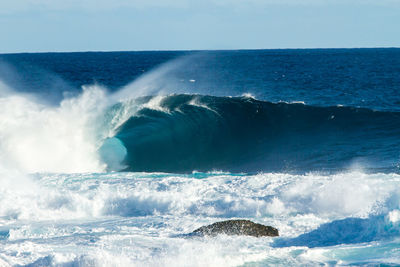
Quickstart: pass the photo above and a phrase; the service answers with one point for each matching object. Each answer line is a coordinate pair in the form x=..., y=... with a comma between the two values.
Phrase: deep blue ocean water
x=107, y=158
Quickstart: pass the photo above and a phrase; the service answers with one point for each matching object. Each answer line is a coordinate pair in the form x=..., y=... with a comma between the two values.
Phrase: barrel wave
x=183, y=133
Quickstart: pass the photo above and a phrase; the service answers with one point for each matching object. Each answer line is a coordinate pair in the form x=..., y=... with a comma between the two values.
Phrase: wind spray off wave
x=37, y=136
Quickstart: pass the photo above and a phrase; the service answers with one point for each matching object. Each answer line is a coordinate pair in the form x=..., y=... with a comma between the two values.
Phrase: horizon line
x=199, y=50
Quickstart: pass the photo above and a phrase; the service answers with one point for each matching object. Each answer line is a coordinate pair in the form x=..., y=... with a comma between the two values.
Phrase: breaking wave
x=182, y=133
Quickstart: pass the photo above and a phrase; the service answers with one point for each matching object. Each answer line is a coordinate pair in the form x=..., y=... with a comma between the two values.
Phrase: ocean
x=114, y=158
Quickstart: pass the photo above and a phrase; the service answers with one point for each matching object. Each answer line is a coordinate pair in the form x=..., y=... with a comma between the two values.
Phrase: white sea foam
x=260, y=196
x=394, y=216
x=135, y=219
x=248, y=95
x=155, y=103
x=39, y=138
x=195, y=102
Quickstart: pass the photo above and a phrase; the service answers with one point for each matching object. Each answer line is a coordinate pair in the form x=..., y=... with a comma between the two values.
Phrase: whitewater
x=112, y=175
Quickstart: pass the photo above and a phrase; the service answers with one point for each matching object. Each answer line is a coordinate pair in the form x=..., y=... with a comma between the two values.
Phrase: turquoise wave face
x=182, y=133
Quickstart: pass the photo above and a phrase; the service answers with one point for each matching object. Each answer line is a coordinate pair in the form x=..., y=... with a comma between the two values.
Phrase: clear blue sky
x=112, y=25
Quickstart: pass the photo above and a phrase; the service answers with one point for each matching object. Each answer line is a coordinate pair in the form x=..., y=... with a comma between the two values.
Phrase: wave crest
x=182, y=133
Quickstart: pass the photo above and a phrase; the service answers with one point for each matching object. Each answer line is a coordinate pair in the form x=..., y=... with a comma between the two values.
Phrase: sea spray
x=38, y=138
x=109, y=214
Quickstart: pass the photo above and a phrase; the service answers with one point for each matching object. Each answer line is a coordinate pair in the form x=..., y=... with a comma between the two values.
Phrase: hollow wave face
x=182, y=133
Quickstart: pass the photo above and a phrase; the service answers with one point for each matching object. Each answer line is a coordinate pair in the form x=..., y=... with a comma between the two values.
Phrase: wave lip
x=182, y=133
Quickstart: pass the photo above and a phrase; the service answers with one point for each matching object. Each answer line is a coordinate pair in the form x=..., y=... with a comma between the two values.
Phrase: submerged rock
x=236, y=227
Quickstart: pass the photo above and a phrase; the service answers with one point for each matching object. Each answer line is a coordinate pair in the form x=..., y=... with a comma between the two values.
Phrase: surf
x=182, y=133
x=152, y=124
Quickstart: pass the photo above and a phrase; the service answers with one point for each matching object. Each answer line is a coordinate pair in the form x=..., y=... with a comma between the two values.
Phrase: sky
x=131, y=25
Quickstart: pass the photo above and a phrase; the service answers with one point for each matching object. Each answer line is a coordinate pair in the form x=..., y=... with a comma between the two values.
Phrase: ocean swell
x=182, y=133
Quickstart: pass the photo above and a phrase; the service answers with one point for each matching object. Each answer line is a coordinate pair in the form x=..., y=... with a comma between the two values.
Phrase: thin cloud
x=24, y=5
x=10, y=6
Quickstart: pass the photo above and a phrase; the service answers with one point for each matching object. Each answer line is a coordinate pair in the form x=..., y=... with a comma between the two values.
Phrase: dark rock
x=236, y=227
